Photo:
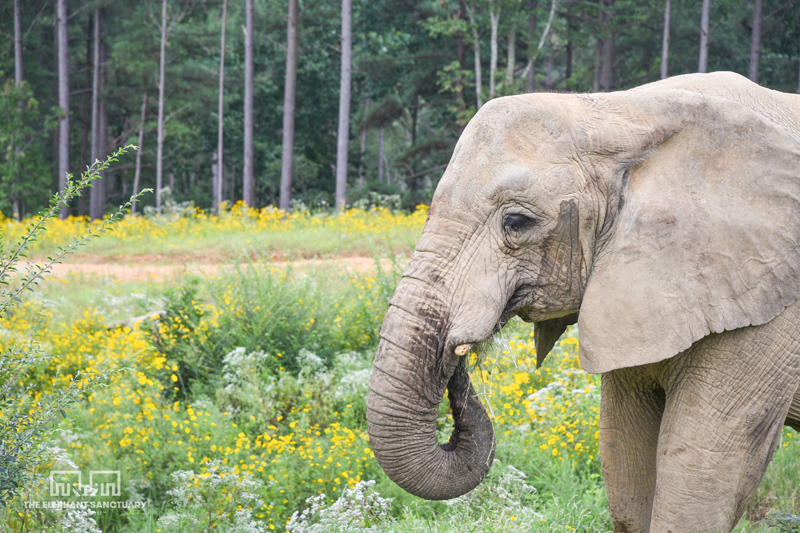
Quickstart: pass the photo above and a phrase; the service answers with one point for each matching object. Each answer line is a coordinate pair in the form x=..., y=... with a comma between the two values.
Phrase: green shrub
x=29, y=415
x=277, y=312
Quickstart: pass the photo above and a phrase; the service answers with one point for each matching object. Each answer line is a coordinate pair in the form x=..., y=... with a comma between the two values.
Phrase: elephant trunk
x=412, y=370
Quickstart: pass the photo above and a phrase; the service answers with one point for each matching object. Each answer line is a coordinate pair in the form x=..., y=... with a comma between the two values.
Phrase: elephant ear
x=547, y=332
x=706, y=237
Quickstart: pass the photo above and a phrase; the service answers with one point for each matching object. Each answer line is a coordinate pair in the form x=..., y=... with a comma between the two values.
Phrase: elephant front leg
x=727, y=399
x=630, y=416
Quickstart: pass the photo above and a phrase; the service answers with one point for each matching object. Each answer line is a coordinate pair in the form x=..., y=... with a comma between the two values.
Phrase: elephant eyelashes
x=515, y=224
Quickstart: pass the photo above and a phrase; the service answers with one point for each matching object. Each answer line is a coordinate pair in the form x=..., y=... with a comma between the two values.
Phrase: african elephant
x=665, y=220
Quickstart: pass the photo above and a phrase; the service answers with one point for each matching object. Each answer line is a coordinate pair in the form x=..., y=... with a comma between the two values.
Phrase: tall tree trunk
x=289, y=102
x=231, y=185
x=548, y=68
x=363, y=147
x=248, y=182
x=607, y=70
x=55, y=137
x=137, y=173
x=702, y=64
x=511, y=62
x=86, y=110
x=102, y=145
x=460, y=53
x=63, y=100
x=161, y=84
x=494, y=19
x=96, y=206
x=665, y=41
x=478, y=77
x=598, y=64
x=18, y=77
x=545, y=37
x=598, y=48
x=476, y=46
x=215, y=170
x=412, y=182
x=18, y=41
x=344, y=106
x=755, y=43
x=568, y=66
x=380, y=156
x=220, y=150
x=530, y=69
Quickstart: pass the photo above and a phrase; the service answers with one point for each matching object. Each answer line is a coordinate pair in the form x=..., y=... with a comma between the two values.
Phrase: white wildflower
x=79, y=520
x=358, y=510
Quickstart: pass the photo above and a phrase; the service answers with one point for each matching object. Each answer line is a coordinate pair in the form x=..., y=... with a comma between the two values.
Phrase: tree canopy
x=414, y=81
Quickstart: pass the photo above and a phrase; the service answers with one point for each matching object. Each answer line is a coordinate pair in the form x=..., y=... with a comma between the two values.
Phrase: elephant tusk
x=463, y=349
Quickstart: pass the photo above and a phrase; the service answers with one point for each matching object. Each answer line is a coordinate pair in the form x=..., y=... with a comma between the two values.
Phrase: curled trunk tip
x=403, y=437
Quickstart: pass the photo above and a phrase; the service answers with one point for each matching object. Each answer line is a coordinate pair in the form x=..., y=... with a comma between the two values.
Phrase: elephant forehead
x=485, y=187
x=517, y=127
x=514, y=145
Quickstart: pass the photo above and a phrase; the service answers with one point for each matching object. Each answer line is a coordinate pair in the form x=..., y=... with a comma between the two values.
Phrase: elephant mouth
x=459, y=389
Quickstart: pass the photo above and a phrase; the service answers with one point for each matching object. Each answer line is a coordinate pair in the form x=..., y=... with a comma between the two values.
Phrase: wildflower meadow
x=235, y=400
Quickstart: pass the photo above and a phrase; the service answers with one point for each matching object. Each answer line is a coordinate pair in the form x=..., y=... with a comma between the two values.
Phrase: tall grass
x=259, y=307
x=262, y=371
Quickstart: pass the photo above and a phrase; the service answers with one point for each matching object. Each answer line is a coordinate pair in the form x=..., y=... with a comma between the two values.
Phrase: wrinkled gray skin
x=666, y=220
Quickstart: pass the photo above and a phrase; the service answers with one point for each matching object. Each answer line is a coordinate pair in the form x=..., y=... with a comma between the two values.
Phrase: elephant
x=665, y=221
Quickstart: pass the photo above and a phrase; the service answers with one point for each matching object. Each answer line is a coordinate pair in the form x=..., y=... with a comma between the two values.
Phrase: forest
x=247, y=101
x=208, y=355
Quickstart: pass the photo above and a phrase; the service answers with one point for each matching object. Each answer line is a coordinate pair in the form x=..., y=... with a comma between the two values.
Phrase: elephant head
x=651, y=216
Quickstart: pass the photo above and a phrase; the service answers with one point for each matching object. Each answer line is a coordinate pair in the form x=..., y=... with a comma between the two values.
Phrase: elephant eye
x=515, y=223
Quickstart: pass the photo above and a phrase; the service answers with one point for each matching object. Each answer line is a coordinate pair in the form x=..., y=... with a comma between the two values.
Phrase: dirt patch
x=163, y=268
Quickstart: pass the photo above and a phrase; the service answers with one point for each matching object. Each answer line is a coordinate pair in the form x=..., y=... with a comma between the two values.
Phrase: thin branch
x=309, y=36
x=581, y=17
x=175, y=150
x=431, y=104
x=276, y=43
x=403, y=164
x=309, y=6
x=178, y=18
x=35, y=19
x=175, y=20
x=424, y=172
x=783, y=7
x=117, y=141
x=80, y=10
x=539, y=47
x=414, y=7
x=171, y=115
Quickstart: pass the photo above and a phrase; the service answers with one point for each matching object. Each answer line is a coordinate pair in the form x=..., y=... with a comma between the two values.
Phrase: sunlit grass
x=264, y=233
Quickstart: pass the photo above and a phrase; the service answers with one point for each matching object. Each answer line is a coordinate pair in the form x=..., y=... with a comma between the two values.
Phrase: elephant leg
x=726, y=400
x=631, y=407
x=793, y=418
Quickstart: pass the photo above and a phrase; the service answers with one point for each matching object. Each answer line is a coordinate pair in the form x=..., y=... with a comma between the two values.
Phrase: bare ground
x=145, y=268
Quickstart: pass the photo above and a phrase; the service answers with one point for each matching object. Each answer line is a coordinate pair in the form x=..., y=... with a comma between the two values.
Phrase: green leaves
x=29, y=422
